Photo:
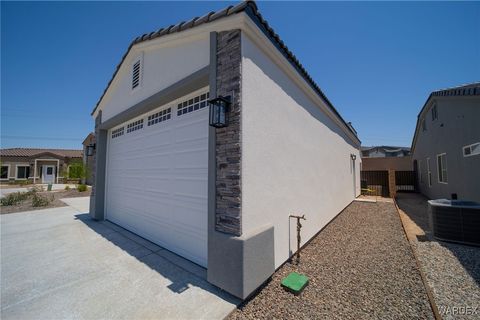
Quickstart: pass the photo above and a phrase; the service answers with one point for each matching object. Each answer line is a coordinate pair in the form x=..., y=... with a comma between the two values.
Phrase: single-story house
x=209, y=135
x=88, y=163
x=446, y=144
x=384, y=152
x=36, y=165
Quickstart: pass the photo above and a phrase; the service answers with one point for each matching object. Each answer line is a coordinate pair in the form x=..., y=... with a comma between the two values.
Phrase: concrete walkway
x=58, y=263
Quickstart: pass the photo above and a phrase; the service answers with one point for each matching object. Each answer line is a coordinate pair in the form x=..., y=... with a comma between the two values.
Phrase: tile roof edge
x=251, y=9
x=179, y=27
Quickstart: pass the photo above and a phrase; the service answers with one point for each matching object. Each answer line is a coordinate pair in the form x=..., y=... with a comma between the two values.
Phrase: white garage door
x=156, y=181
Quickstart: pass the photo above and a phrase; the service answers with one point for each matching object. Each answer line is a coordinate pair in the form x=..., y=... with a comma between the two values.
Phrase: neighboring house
x=446, y=144
x=36, y=165
x=384, y=151
x=88, y=145
x=221, y=196
x=386, y=158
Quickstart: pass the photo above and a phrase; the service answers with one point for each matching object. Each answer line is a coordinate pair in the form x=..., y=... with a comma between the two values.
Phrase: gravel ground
x=453, y=274
x=57, y=195
x=360, y=267
x=452, y=270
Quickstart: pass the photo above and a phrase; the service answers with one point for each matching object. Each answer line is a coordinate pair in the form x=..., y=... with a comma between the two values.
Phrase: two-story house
x=446, y=144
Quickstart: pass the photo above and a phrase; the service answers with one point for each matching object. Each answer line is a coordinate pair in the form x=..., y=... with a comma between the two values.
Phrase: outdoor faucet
x=299, y=238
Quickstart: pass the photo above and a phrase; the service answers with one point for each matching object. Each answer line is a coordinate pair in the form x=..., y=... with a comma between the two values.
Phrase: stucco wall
x=394, y=163
x=457, y=126
x=162, y=67
x=295, y=159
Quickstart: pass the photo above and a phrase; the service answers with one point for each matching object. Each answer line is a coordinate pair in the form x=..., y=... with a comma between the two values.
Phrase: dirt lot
x=360, y=267
x=57, y=195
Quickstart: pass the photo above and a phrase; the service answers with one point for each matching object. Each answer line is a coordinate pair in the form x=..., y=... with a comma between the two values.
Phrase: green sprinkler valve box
x=295, y=282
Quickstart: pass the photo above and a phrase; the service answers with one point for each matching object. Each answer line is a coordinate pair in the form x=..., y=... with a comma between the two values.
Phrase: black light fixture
x=353, y=156
x=219, y=108
x=90, y=149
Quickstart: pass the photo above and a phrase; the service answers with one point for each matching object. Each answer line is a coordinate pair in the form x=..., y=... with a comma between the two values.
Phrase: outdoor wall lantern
x=353, y=156
x=90, y=149
x=219, y=108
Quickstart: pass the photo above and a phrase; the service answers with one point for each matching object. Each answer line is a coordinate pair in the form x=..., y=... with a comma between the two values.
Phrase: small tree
x=77, y=170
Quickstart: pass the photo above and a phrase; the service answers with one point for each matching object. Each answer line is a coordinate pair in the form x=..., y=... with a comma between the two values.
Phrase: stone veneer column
x=95, y=202
x=228, y=139
x=98, y=121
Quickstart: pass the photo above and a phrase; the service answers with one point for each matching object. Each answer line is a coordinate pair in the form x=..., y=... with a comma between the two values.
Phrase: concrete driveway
x=58, y=263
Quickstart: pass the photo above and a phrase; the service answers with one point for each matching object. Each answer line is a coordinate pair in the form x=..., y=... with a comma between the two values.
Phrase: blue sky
x=376, y=61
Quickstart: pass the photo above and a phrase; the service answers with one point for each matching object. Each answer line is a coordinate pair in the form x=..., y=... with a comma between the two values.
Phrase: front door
x=48, y=175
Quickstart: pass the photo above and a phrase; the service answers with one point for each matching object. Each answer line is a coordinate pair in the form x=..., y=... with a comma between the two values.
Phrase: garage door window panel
x=135, y=125
x=160, y=116
x=194, y=104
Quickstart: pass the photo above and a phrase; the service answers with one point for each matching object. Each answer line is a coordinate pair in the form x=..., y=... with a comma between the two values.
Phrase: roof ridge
x=251, y=9
x=477, y=83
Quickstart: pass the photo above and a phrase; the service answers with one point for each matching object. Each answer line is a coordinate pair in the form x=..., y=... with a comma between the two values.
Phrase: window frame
x=443, y=167
x=8, y=172
x=424, y=125
x=470, y=146
x=16, y=171
x=429, y=173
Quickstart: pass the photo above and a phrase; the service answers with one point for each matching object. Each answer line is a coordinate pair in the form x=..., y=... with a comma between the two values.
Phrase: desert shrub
x=14, y=198
x=41, y=201
x=35, y=189
x=67, y=188
x=82, y=187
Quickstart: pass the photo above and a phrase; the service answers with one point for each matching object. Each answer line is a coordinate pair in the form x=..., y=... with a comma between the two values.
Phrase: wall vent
x=136, y=74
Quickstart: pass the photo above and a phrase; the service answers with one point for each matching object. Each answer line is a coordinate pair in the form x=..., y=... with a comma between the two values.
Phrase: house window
x=442, y=168
x=118, y=132
x=471, y=150
x=159, y=116
x=429, y=173
x=424, y=125
x=22, y=172
x=4, y=172
x=193, y=104
x=135, y=125
x=136, y=73
x=434, y=112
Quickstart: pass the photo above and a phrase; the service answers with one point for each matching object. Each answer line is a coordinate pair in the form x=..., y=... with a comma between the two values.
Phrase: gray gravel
x=453, y=274
x=360, y=267
x=452, y=270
